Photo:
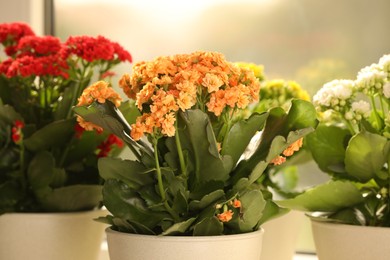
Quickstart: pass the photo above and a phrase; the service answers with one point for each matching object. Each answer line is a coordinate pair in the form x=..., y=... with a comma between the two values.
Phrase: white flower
x=386, y=89
x=384, y=64
x=361, y=108
x=334, y=94
x=370, y=78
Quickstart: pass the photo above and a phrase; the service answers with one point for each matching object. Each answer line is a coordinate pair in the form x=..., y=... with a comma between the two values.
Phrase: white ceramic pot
x=51, y=236
x=281, y=236
x=343, y=242
x=124, y=246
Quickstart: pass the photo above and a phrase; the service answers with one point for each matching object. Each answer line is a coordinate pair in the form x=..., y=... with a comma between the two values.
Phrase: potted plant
x=190, y=179
x=48, y=163
x=281, y=234
x=352, y=145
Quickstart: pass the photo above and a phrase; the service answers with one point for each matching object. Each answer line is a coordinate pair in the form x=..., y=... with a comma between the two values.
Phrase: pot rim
x=330, y=224
x=242, y=236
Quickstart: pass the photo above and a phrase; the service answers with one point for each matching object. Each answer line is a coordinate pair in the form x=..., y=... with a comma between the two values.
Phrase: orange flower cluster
x=180, y=82
x=99, y=91
x=290, y=150
x=227, y=215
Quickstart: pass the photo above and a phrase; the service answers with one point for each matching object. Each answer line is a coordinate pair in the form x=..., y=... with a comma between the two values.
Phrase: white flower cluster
x=338, y=97
x=371, y=79
x=384, y=63
x=359, y=110
x=334, y=95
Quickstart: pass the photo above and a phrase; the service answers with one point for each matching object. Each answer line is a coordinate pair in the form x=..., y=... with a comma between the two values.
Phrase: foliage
x=190, y=174
x=47, y=161
x=352, y=145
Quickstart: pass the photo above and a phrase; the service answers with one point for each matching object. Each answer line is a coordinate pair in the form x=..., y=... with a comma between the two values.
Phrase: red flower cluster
x=106, y=146
x=46, y=56
x=17, y=134
x=99, y=48
x=10, y=34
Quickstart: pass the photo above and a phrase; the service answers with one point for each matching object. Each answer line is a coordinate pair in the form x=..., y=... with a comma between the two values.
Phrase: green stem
x=77, y=91
x=160, y=183
x=382, y=106
x=181, y=156
x=377, y=117
x=22, y=166
x=350, y=126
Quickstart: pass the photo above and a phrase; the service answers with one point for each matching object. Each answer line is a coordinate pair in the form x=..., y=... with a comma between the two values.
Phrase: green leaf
x=129, y=111
x=8, y=114
x=327, y=145
x=253, y=205
x=41, y=170
x=180, y=203
x=179, y=228
x=65, y=104
x=206, y=200
x=280, y=130
x=208, y=227
x=366, y=154
x=327, y=197
x=54, y=134
x=195, y=126
x=126, y=204
x=272, y=211
x=73, y=198
x=133, y=173
x=243, y=131
x=111, y=119
x=9, y=195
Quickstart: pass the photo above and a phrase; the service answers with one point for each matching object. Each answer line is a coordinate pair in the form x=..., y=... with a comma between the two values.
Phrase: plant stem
x=22, y=174
x=181, y=157
x=160, y=183
x=377, y=117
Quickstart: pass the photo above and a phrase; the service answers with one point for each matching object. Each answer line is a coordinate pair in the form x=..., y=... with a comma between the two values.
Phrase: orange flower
x=236, y=203
x=99, y=91
x=212, y=82
x=278, y=160
x=168, y=125
x=294, y=147
x=225, y=216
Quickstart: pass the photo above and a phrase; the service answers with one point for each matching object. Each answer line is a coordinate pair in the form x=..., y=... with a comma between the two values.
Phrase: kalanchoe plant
x=352, y=145
x=189, y=174
x=47, y=161
x=281, y=176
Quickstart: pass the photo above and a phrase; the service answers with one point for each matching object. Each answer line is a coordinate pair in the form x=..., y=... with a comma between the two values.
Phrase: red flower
x=17, y=134
x=106, y=146
x=78, y=131
x=94, y=49
x=39, y=46
x=11, y=33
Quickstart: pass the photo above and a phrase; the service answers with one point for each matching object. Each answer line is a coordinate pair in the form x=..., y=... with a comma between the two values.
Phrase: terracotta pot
x=124, y=246
x=51, y=236
x=343, y=242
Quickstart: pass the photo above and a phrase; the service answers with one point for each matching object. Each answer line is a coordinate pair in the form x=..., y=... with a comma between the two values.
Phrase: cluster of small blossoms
x=168, y=84
x=32, y=55
x=371, y=80
x=17, y=134
x=106, y=146
x=227, y=213
x=339, y=98
x=11, y=33
x=335, y=95
x=99, y=91
x=289, y=151
x=279, y=93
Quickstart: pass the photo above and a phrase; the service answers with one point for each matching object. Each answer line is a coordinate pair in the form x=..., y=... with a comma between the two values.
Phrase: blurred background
x=311, y=42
